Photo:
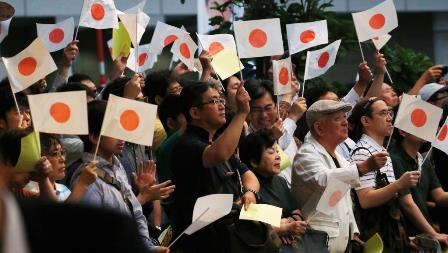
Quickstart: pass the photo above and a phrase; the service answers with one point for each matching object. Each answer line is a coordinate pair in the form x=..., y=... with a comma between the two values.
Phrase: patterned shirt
x=363, y=149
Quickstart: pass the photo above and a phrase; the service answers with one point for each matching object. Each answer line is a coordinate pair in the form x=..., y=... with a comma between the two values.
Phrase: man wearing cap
x=317, y=162
x=434, y=93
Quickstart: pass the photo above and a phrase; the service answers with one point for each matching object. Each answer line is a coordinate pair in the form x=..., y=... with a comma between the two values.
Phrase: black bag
x=313, y=241
x=251, y=236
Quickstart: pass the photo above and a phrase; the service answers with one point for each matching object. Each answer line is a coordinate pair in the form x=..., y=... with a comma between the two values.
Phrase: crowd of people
x=232, y=136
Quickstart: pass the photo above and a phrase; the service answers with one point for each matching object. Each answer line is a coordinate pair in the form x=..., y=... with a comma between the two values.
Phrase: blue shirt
x=103, y=195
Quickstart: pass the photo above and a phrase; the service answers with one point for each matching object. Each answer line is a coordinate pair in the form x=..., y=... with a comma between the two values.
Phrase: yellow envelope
x=121, y=42
x=226, y=63
x=261, y=212
x=285, y=162
x=29, y=153
x=374, y=244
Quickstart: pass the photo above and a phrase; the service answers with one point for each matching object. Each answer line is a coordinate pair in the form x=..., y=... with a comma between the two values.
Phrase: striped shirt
x=361, y=151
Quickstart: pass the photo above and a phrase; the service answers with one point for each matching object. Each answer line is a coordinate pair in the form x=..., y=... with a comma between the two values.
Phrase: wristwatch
x=257, y=197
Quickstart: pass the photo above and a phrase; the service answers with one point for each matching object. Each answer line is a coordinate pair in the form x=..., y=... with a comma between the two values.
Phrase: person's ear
x=365, y=120
x=3, y=124
x=318, y=128
x=194, y=113
x=171, y=123
x=158, y=99
x=253, y=164
x=93, y=139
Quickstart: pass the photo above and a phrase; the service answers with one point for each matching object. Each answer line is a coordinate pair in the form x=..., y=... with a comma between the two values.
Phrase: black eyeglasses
x=215, y=101
x=57, y=154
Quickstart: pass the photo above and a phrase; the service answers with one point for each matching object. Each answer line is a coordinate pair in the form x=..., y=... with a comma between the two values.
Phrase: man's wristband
x=257, y=197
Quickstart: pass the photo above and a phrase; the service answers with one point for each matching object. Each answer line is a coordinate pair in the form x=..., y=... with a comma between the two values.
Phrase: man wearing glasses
x=380, y=195
x=206, y=164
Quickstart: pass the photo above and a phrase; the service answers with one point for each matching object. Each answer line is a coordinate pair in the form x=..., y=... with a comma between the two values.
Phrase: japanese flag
x=135, y=22
x=282, y=76
x=99, y=14
x=28, y=66
x=4, y=29
x=380, y=41
x=418, y=117
x=333, y=193
x=145, y=61
x=441, y=142
x=60, y=112
x=376, y=21
x=258, y=38
x=216, y=43
x=302, y=36
x=163, y=36
x=184, y=48
x=56, y=36
x=319, y=61
x=129, y=120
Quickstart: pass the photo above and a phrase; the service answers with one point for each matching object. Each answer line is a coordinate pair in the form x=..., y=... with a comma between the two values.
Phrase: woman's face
x=56, y=156
x=269, y=164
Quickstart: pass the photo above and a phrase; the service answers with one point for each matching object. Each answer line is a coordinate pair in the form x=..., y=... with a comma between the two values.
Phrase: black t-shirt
x=274, y=191
x=193, y=180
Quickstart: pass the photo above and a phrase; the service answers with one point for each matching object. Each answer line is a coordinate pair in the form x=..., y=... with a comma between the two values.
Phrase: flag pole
x=97, y=146
x=362, y=53
x=137, y=56
x=303, y=87
x=278, y=106
x=183, y=232
x=424, y=159
x=390, y=137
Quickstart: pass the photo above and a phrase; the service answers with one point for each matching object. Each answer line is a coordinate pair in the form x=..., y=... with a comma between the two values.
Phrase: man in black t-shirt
x=206, y=164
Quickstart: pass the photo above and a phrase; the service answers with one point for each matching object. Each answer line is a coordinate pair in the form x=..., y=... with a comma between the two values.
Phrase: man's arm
x=414, y=214
x=440, y=196
x=377, y=84
x=70, y=52
x=430, y=75
x=225, y=145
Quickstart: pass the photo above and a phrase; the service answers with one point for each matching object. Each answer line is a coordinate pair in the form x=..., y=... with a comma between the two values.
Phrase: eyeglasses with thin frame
x=58, y=154
x=259, y=110
x=214, y=101
x=387, y=112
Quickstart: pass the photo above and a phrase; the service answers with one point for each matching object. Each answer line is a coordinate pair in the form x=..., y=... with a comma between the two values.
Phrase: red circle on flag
x=334, y=198
x=215, y=47
x=142, y=59
x=307, y=36
x=418, y=117
x=184, y=50
x=129, y=120
x=27, y=66
x=323, y=59
x=377, y=21
x=97, y=11
x=56, y=36
x=443, y=133
x=258, y=38
x=283, y=76
x=376, y=38
x=169, y=39
x=60, y=112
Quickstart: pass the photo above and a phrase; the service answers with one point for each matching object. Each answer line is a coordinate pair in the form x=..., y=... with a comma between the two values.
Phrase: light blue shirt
x=103, y=195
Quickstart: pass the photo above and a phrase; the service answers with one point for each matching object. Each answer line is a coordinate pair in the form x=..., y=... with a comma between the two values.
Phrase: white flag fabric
x=184, y=48
x=319, y=61
x=29, y=66
x=216, y=43
x=333, y=193
x=129, y=120
x=282, y=71
x=163, y=36
x=418, y=117
x=56, y=36
x=135, y=22
x=4, y=29
x=146, y=60
x=375, y=21
x=99, y=14
x=208, y=209
x=441, y=142
x=60, y=112
x=380, y=41
x=302, y=36
x=258, y=38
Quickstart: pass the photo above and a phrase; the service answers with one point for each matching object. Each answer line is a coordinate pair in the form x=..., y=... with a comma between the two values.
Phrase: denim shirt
x=103, y=195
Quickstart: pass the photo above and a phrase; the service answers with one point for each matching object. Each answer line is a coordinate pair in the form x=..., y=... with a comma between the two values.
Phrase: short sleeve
x=368, y=179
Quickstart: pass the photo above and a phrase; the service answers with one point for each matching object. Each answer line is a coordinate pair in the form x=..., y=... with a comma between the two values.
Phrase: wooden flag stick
x=303, y=87
x=362, y=53
x=97, y=146
x=390, y=137
x=183, y=232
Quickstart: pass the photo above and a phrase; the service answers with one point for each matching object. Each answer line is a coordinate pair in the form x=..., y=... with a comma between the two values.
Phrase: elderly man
x=317, y=162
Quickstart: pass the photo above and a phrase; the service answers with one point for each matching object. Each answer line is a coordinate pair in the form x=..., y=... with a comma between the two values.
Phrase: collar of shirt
x=371, y=142
x=399, y=150
x=198, y=131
